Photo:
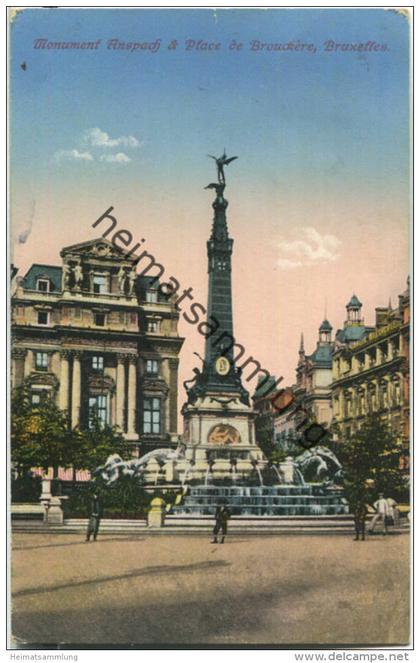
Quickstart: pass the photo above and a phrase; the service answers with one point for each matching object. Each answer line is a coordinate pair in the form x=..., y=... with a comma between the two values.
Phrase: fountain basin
x=281, y=500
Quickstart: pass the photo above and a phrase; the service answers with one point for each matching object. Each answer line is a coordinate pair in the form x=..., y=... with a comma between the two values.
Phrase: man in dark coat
x=359, y=515
x=95, y=517
x=222, y=517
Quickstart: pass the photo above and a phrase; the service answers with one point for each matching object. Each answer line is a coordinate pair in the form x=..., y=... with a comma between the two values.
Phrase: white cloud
x=312, y=249
x=73, y=155
x=120, y=157
x=98, y=138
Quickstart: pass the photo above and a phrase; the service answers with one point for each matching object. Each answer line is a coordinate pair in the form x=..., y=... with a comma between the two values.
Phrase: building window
x=373, y=402
x=43, y=317
x=151, y=296
x=98, y=409
x=100, y=284
x=41, y=361
x=397, y=393
x=347, y=407
x=152, y=366
x=152, y=415
x=98, y=363
x=100, y=319
x=133, y=318
x=152, y=326
x=383, y=396
x=43, y=285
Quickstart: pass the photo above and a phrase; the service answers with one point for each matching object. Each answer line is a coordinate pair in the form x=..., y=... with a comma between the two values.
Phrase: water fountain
x=281, y=498
x=290, y=495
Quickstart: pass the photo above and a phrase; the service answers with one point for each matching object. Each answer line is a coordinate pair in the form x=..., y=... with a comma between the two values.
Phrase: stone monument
x=219, y=430
x=218, y=458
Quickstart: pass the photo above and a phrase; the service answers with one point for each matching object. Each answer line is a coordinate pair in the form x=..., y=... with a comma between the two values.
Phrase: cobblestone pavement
x=182, y=590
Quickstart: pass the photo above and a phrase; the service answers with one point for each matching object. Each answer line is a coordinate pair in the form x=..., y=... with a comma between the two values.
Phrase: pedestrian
x=394, y=511
x=359, y=515
x=222, y=517
x=382, y=513
x=94, y=517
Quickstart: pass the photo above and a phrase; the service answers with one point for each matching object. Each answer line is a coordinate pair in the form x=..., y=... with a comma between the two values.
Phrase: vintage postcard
x=209, y=226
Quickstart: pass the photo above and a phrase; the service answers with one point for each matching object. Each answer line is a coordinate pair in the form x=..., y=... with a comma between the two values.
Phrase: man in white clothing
x=382, y=512
x=393, y=511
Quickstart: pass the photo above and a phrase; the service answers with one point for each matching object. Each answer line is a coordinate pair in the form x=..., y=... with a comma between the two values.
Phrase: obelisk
x=218, y=419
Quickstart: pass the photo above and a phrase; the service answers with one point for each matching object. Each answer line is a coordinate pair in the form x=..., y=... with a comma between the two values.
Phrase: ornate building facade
x=314, y=375
x=371, y=370
x=309, y=399
x=364, y=370
x=99, y=338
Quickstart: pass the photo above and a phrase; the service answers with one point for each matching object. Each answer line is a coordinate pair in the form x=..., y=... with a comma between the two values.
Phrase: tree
x=264, y=431
x=370, y=460
x=40, y=434
x=93, y=445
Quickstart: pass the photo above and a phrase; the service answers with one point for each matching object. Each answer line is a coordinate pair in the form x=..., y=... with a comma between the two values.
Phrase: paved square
x=157, y=589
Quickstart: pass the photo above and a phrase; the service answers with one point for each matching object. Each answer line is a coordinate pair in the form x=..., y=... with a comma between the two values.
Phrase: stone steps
x=203, y=526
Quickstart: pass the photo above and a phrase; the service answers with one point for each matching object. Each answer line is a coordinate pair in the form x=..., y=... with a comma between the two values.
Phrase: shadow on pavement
x=218, y=617
x=146, y=571
x=82, y=542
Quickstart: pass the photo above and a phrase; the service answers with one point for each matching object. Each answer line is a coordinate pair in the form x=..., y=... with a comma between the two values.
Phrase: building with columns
x=371, y=371
x=365, y=369
x=99, y=338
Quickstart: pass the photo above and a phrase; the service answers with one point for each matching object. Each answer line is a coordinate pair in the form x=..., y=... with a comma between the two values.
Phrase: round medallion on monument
x=223, y=434
x=222, y=365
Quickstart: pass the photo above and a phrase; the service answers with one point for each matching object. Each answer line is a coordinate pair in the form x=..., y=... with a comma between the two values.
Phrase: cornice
x=374, y=371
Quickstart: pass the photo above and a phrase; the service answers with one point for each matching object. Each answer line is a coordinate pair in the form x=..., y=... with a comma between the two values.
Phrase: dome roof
x=322, y=356
x=325, y=327
x=354, y=302
x=353, y=333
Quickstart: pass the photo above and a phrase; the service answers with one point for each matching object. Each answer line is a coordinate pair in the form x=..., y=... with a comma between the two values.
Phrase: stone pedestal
x=45, y=490
x=156, y=515
x=288, y=470
x=201, y=469
x=244, y=466
x=169, y=471
x=55, y=514
x=183, y=468
x=221, y=468
x=219, y=435
x=153, y=470
x=45, y=497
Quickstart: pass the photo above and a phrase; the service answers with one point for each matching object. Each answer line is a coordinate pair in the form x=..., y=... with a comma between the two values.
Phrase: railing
x=107, y=296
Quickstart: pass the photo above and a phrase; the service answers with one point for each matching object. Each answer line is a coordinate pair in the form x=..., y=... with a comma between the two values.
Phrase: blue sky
x=298, y=112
